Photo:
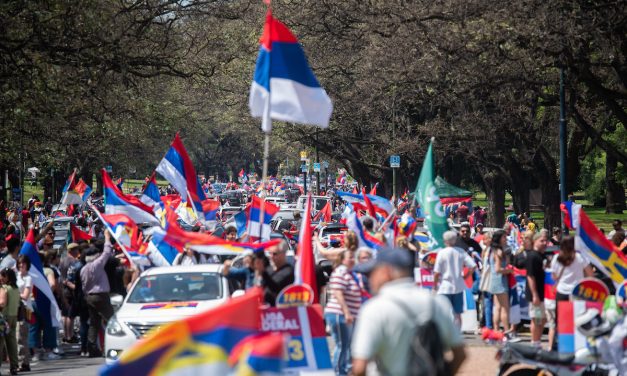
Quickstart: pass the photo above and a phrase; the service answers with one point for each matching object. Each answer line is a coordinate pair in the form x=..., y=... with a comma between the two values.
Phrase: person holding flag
x=96, y=289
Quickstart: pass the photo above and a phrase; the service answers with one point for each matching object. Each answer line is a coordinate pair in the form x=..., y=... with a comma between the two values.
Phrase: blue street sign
x=395, y=161
x=316, y=167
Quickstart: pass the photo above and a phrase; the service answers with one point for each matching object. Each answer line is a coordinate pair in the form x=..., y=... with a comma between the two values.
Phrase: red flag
x=305, y=272
x=78, y=234
x=241, y=173
x=371, y=210
x=373, y=191
x=324, y=214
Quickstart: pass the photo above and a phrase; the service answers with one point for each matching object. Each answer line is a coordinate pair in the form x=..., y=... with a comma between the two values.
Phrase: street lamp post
x=303, y=168
x=563, y=156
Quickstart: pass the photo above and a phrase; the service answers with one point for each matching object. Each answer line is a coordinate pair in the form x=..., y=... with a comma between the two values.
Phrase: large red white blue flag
x=177, y=168
x=593, y=245
x=117, y=202
x=47, y=306
x=284, y=86
x=75, y=192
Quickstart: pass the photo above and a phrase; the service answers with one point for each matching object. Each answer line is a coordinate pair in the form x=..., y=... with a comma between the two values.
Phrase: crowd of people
x=371, y=303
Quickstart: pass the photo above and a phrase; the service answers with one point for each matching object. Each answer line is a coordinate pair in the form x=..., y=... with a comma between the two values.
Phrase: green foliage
x=592, y=178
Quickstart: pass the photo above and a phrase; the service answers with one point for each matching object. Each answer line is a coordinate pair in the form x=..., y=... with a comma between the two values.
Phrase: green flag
x=435, y=218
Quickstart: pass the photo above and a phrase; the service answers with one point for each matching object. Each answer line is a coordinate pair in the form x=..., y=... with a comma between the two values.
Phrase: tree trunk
x=520, y=183
x=495, y=192
x=614, y=192
x=576, y=148
x=547, y=176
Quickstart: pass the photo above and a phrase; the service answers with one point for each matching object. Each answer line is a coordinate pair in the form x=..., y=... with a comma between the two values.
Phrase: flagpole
x=130, y=259
x=387, y=220
x=189, y=199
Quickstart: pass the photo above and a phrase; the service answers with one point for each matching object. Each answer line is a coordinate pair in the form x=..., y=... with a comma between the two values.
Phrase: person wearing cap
x=448, y=273
x=384, y=332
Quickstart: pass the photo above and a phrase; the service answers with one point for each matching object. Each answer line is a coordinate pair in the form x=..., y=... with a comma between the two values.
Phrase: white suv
x=160, y=296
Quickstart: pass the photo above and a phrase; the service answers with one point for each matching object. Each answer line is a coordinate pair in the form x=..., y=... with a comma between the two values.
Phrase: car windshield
x=320, y=204
x=177, y=287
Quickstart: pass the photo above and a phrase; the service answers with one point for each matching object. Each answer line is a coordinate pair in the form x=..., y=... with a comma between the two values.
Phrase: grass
x=596, y=214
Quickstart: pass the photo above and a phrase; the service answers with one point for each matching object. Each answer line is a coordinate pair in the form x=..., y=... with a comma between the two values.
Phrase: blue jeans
x=342, y=334
x=488, y=304
x=36, y=330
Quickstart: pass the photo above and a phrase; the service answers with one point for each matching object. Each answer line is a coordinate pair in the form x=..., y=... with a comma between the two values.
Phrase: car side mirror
x=116, y=301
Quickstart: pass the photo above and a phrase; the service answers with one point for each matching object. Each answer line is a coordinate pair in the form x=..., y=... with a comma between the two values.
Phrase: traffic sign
x=304, y=168
x=325, y=164
x=109, y=169
x=395, y=161
x=303, y=155
x=316, y=167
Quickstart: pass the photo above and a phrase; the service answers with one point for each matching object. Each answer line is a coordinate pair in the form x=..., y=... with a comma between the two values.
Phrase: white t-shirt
x=572, y=274
x=450, y=263
x=383, y=327
x=24, y=282
x=8, y=263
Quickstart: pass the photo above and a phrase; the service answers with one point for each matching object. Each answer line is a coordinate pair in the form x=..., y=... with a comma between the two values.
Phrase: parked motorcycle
x=603, y=355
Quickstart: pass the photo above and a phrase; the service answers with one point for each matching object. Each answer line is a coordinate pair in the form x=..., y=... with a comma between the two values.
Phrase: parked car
x=332, y=232
x=318, y=202
x=160, y=296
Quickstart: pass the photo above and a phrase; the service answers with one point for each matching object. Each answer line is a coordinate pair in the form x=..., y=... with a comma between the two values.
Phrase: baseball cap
x=397, y=257
x=72, y=246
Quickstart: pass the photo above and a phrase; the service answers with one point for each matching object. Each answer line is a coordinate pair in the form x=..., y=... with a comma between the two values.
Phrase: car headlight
x=114, y=328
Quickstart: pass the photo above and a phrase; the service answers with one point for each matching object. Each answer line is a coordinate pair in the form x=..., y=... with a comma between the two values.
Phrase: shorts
x=537, y=312
x=457, y=301
x=550, y=318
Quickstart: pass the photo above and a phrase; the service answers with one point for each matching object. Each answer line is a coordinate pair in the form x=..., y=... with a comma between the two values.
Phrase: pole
x=394, y=186
x=89, y=203
x=305, y=180
x=264, y=176
x=563, y=136
x=317, y=161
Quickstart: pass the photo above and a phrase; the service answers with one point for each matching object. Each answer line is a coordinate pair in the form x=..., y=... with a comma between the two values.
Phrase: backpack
x=426, y=351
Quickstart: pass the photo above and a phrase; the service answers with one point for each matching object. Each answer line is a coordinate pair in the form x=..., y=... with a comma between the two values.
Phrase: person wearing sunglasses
x=281, y=274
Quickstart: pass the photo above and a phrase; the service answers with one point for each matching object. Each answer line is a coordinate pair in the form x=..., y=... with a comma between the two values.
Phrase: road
x=71, y=365
x=480, y=361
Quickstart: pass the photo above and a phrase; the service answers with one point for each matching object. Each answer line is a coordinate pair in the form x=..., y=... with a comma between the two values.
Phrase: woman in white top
x=568, y=268
x=25, y=287
x=189, y=257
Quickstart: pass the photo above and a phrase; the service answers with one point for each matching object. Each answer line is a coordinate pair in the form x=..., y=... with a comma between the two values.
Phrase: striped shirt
x=343, y=280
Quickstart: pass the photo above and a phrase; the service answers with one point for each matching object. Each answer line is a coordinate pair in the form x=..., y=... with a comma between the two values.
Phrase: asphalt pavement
x=70, y=365
x=73, y=365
